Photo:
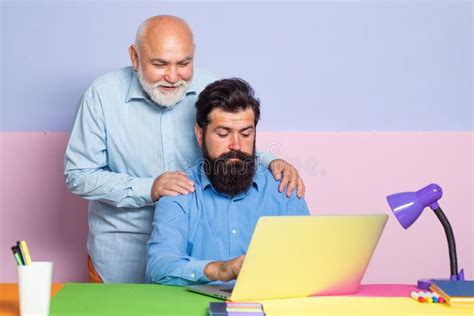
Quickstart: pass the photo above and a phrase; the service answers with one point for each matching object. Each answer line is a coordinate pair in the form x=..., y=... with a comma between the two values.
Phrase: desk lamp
x=407, y=207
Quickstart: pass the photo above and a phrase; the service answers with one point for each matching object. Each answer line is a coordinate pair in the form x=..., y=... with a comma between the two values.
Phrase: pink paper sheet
x=382, y=290
x=385, y=290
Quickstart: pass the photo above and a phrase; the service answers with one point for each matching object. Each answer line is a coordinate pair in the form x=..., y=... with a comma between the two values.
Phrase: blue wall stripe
x=362, y=65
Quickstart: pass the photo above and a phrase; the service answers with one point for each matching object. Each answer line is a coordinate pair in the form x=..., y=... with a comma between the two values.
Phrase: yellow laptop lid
x=295, y=256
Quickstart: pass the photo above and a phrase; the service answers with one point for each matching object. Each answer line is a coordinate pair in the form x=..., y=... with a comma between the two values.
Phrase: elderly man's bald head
x=162, y=56
x=160, y=26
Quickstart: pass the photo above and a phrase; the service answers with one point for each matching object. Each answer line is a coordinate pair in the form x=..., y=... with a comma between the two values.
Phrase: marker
x=17, y=255
x=25, y=252
x=417, y=296
x=434, y=297
x=20, y=251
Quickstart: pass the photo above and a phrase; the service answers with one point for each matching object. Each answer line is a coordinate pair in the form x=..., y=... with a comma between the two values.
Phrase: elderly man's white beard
x=166, y=99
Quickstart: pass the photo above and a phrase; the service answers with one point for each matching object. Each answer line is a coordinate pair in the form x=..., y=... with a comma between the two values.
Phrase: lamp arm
x=453, y=259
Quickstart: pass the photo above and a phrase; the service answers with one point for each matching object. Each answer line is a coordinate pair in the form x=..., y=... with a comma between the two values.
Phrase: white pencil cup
x=34, y=286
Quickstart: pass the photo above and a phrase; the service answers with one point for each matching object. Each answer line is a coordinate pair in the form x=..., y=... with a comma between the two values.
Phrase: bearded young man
x=132, y=137
x=203, y=236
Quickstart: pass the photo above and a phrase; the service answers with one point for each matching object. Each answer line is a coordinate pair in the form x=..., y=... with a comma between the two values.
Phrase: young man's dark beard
x=230, y=177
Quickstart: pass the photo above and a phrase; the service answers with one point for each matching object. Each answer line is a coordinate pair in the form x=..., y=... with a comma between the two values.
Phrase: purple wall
x=366, y=98
x=325, y=66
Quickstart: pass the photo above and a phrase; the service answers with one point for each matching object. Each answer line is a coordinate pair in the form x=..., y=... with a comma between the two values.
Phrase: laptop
x=297, y=256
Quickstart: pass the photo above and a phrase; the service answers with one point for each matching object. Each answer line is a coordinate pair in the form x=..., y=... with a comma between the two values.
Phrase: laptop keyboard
x=227, y=290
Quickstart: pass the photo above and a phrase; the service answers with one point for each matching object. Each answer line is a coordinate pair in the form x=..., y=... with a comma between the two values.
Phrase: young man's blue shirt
x=189, y=231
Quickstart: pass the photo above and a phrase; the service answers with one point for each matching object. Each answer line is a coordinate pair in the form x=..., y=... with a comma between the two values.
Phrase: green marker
x=17, y=255
x=18, y=259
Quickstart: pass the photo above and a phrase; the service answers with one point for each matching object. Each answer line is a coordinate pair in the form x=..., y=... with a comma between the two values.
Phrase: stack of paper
x=235, y=309
x=455, y=293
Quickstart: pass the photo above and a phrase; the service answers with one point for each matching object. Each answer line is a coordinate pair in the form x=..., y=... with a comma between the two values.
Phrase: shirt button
x=234, y=231
x=193, y=275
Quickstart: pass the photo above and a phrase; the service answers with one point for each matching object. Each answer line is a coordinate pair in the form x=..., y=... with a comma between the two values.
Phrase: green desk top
x=127, y=299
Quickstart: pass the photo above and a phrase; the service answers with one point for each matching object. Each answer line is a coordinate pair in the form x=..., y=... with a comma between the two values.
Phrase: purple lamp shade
x=407, y=206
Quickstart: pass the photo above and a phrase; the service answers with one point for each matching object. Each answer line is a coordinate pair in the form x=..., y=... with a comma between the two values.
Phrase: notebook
x=455, y=293
x=296, y=256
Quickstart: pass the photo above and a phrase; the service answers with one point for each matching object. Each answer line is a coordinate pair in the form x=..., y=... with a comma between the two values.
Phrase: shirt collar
x=192, y=89
x=258, y=178
x=135, y=91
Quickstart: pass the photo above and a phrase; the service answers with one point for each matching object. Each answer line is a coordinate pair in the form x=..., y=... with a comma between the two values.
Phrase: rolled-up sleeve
x=168, y=261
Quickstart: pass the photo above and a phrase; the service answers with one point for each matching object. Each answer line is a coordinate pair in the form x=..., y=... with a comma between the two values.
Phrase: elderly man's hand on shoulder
x=289, y=177
x=171, y=183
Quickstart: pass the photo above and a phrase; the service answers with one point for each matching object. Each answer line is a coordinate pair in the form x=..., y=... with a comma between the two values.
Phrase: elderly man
x=131, y=139
x=203, y=236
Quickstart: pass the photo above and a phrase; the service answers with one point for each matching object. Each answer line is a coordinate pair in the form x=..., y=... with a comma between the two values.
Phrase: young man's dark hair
x=231, y=95
x=231, y=172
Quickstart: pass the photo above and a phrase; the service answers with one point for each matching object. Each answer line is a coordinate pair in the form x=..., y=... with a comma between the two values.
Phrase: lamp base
x=458, y=277
x=424, y=284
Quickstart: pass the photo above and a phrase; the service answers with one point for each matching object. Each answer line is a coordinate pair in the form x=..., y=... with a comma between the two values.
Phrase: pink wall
x=36, y=206
x=352, y=172
x=345, y=172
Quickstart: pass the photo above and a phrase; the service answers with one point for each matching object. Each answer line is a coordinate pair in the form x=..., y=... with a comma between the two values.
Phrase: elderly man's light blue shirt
x=189, y=231
x=119, y=143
